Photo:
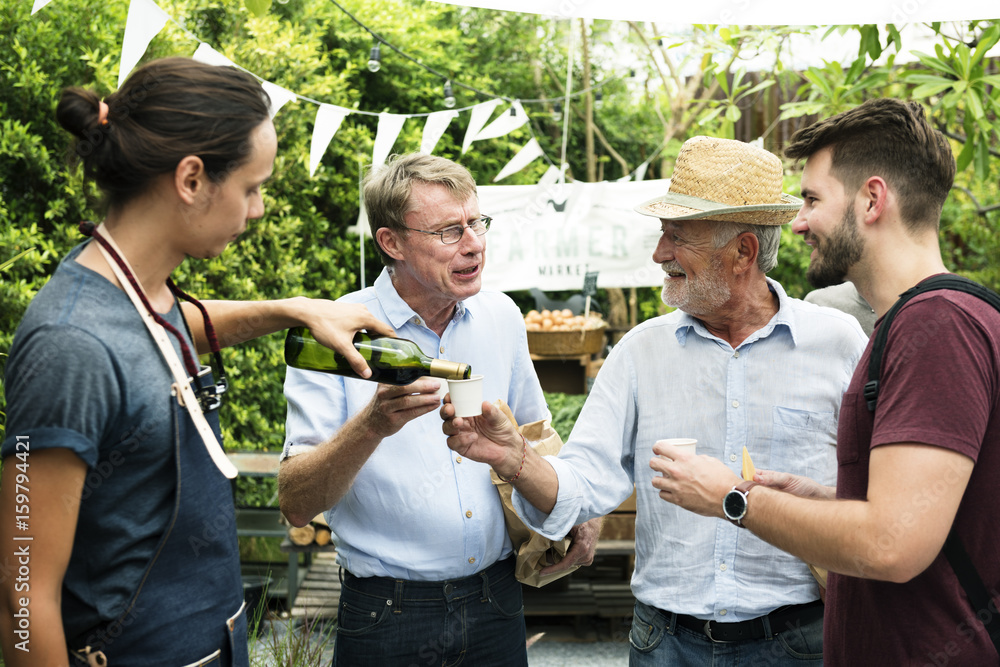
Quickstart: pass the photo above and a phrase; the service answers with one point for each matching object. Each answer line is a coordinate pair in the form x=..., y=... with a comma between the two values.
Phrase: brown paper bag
x=533, y=551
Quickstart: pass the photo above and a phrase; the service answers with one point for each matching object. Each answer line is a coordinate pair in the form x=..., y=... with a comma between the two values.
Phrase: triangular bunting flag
x=206, y=54
x=328, y=120
x=640, y=171
x=434, y=128
x=505, y=123
x=480, y=114
x=389, y=125
x=39, y=4
x=550, y=177
x=523, y=158
x=279, y=96
x=145, y=19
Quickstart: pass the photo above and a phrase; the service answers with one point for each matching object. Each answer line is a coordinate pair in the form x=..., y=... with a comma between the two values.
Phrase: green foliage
x=565, y=408
x=735, y=90
x=293, y=643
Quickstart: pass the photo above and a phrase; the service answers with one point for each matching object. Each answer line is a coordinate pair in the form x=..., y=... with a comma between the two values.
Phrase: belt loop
x=486, y=585
x=766, y=621
x=397, y=605
x=671, y=623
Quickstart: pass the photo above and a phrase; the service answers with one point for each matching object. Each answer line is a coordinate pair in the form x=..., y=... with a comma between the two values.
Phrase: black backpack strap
x=973, y=585
x=954, y=550
x=945, y=281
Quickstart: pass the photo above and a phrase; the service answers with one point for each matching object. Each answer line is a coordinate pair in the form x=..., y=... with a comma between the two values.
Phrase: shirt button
x=722, y=613
x=723, y=567
x=736, y=404
x=468, y=514
x=736, y=354
x=472, y=560
x=732, y=457
x=442, y=349
x=458, y=459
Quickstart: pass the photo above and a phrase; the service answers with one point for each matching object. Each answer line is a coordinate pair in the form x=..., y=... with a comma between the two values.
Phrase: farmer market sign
x=550, y=236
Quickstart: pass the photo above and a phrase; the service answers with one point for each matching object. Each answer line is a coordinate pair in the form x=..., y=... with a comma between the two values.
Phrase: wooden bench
x=295, y=576
x=266, y=522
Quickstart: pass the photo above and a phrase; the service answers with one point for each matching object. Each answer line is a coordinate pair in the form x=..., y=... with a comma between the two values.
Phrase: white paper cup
x=467, y=396
x=688, y=444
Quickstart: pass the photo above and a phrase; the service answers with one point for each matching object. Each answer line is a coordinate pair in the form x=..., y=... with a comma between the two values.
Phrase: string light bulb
x=375, y=59
x=557, y=112
x=449, y=97
x=598, y=99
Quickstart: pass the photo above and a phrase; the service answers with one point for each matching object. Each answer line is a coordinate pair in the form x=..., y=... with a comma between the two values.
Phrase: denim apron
x=187, y=608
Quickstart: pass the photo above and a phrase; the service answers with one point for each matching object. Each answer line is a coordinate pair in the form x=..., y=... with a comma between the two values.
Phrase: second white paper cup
x=467, y=396
x=688, y=444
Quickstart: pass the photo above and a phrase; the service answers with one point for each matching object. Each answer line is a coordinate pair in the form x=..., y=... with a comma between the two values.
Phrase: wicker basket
x=567, y=343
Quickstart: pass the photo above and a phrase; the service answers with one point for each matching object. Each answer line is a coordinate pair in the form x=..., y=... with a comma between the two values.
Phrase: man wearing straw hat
x=738, y=365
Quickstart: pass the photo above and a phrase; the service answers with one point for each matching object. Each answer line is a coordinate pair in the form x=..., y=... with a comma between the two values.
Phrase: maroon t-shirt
x=940, y=385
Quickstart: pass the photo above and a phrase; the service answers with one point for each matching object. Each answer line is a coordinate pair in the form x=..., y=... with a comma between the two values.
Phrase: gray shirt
x=845, y=297
x=85, y=375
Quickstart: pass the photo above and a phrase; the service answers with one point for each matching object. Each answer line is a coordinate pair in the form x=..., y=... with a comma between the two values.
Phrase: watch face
x=734, y=505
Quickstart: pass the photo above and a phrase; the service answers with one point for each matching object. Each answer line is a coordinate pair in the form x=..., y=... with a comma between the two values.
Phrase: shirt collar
x=782, y=319
x=397, y=311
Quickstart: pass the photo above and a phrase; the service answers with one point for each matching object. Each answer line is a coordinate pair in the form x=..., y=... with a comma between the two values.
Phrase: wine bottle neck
x=449, y=369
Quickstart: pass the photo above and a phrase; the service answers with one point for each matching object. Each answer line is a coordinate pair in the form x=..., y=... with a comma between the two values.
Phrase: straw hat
x=724, y=180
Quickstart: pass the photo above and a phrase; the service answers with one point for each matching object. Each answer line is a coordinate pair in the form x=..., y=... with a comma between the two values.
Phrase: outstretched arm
x=333, y=323
x=490, y=438
x=913, y=495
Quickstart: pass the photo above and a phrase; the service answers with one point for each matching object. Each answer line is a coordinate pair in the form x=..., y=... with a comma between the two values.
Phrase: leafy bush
x=565, y=408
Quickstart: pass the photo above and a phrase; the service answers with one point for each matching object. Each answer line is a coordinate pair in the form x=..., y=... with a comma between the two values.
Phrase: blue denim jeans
x=657, y=640
x=474, y=621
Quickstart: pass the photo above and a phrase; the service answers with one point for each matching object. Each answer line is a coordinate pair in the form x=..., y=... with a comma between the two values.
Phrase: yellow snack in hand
x=748, y=469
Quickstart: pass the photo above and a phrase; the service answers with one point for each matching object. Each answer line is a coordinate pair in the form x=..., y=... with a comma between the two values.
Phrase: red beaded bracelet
x=524, y=453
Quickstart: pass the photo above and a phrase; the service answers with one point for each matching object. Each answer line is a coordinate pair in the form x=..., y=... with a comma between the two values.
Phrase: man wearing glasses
x=427, y=567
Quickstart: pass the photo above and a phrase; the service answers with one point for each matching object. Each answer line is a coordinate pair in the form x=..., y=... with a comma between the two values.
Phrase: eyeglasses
x=454, y=234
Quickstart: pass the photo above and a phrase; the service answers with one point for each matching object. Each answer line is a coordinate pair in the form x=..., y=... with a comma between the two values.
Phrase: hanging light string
x=447, y=79
x=444, y=77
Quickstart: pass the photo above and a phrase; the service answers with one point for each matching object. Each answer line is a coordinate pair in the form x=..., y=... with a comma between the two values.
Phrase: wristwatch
x=734, y=504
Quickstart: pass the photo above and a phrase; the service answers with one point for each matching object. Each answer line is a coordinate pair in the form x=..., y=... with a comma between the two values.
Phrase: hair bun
x=78, y=111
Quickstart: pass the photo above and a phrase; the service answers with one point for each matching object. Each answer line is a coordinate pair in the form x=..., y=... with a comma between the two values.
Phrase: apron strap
x=182, y=383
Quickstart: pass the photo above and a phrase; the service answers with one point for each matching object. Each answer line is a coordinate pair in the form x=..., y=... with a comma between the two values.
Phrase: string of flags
x=146, y=19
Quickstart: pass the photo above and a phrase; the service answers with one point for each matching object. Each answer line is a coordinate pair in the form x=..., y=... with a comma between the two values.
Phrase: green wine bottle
x=392, y=360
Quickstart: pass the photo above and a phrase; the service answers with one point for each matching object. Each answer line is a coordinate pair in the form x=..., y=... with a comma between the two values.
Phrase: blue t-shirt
x=84, y=374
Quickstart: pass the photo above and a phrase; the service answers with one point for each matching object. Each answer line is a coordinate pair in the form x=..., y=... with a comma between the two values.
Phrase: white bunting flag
x=505, y=123
x=389, y=125
x=279, y=96
x=640, y=171
x=480, y=114
x=145, y=19
x=523, y=158
x=206, y=54
x=328, y=120
x=434, y=129
x=39, y=4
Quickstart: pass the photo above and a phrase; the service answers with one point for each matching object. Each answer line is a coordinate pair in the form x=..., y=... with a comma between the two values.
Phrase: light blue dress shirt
x=778, y=394
x=417, y=510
